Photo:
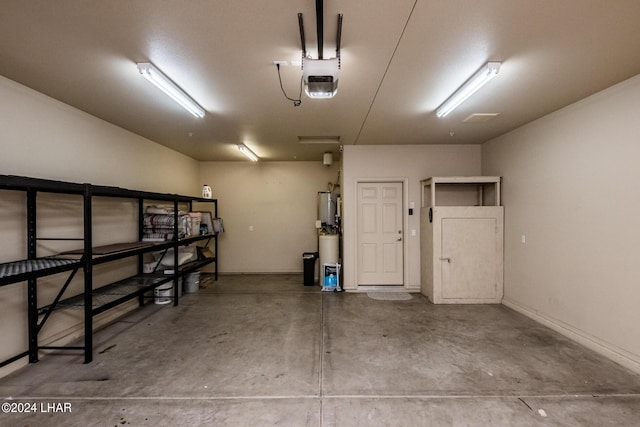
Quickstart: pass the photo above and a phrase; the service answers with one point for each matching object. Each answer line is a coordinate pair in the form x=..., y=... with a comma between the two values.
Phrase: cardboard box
x=205, y=253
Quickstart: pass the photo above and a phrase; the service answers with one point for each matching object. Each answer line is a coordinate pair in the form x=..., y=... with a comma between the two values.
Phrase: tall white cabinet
x=462, y=233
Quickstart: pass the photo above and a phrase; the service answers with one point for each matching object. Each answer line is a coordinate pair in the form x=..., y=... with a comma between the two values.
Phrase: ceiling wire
x=296, y=102
x=406, y=24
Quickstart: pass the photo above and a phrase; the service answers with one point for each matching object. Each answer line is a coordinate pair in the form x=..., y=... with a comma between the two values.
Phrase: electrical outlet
x=523, y=239
x=251, y=228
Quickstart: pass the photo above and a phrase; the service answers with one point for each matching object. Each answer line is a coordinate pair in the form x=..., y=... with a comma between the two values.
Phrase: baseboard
x=257, y=273
x=618, y=355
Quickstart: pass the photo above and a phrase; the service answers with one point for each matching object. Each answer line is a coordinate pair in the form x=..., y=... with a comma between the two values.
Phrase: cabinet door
x=469, y=258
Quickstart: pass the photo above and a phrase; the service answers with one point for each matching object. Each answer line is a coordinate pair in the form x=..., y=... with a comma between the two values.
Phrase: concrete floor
x=265, y=350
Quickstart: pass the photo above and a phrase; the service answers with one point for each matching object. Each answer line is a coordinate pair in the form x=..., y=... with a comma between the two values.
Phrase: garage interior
x=556, y=340
x=263, y=350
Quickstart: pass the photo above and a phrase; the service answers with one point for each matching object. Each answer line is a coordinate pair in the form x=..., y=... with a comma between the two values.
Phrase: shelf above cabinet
x=460, y=191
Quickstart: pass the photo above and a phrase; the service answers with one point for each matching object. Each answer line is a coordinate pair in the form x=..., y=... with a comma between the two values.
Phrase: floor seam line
x=314, y=396
x=320, y=368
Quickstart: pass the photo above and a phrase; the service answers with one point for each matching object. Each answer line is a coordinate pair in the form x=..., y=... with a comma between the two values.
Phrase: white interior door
x=380, y=233
x=469, y=251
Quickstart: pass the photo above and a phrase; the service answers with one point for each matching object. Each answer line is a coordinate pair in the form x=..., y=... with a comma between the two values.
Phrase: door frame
x=405, y=223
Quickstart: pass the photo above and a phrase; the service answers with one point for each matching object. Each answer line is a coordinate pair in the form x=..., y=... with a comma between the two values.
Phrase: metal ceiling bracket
x=320, y=27
x=302, y=42
x=338, y=38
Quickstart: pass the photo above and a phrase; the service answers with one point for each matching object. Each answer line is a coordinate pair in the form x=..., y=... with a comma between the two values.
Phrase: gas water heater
x=326, y=208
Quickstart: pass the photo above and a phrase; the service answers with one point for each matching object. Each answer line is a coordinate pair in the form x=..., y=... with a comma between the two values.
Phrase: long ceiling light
x=479, y=79
x=247, y=152
x=162, y=82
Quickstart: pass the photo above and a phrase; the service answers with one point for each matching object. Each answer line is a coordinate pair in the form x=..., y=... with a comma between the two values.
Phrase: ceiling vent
x=319, y=139
x=480, y=117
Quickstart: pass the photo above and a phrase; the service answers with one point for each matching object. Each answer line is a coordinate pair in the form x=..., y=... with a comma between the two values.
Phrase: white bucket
x=164, y=293
x=191, y=282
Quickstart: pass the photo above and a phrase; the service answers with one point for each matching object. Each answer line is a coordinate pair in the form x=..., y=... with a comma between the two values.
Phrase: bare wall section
x=269, y=211
x=44, y=138
x=572, y=219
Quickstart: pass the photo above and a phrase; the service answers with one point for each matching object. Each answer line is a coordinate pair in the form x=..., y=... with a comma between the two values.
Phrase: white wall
x=41, y=137
x=44, y=138
x=570, y=185
x=408, y=164
x=278, y=200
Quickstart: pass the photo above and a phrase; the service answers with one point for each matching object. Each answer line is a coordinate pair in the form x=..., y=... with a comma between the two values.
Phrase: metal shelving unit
x=92, y=301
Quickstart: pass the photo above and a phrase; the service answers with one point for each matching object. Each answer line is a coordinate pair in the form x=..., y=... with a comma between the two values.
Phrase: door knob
x=399, y=239
x=446, y=259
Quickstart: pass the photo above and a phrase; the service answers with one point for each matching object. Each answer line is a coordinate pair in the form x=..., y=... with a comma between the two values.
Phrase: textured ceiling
x=400, y=60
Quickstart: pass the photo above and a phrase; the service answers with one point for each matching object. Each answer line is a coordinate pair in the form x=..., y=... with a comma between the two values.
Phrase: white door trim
x=405, y=221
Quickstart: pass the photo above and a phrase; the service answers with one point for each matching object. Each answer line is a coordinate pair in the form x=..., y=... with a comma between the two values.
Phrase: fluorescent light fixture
x=162, y=82
x=250, y=154
x=486, y=73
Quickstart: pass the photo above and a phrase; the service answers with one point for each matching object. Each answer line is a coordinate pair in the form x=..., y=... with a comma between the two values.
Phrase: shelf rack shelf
x=93, y=301
x=19, y=271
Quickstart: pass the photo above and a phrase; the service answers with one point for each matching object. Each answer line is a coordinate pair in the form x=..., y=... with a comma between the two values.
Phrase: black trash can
x=309, y=260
